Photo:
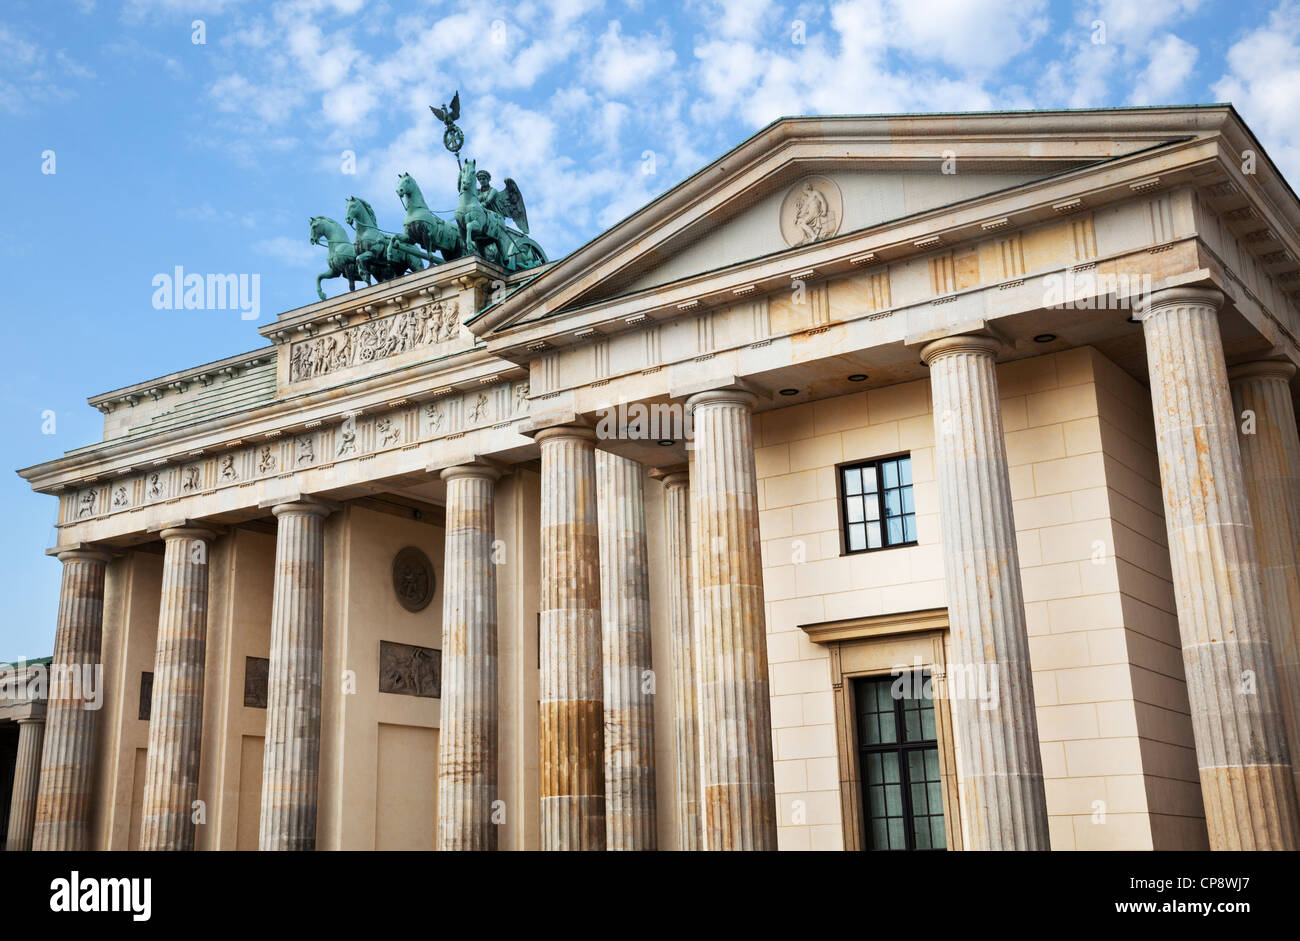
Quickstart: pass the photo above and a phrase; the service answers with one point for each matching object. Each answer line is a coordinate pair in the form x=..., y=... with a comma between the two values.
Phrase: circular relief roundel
x=813, y=210
x=413, y=579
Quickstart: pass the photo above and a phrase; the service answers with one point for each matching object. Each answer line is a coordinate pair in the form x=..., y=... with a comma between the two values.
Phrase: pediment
x=875, y=170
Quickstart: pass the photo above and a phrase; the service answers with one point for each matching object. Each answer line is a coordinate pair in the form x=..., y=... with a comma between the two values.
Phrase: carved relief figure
x=190, y=478
x=521, y=397
x=480, y=408
x=120, y=499
x=306, y=452
x=812, y=217
x=436, y=417
x=347, y=437
x=155, y=486
x=228, y=471
x=448, y=324
x=410, y=671
x=266, y=461
x=388, y=432
x=87, y=506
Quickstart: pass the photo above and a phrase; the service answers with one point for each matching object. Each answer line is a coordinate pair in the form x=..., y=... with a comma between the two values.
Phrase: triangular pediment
x=753, y=202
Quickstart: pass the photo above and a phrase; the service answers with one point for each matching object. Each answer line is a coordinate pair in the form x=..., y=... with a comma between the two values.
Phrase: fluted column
x=630, y=818
x=571, y=707
x=63, y=795
x=291, y=761
x=27, y=774
x=1270, y=457
x=1232, y=685
x=735, y=713
x=467, y=747
x=1001, y=783
x=171, y=781
x=686, y=739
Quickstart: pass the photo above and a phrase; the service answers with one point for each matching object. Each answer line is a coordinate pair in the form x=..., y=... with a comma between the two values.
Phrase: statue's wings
x=454, y=110
x=439, y=114
x=514, y=201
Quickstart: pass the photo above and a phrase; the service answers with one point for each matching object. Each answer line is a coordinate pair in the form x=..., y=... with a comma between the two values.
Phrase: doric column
x=27, y=774
x=735, y=713
x=171, y=781
x=572, y=749
x=1270, y=457
x=1001, y=783
x=686, y=739
x=76, y=675
x=630, y=819
x=1232, y=685
x=467, y=748
x=291, y=761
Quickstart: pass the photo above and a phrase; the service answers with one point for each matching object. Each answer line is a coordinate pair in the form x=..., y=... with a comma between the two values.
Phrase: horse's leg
x=319, y=278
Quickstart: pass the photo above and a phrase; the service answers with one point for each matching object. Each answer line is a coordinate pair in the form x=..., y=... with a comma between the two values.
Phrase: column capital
x=81, y=552
x=186, y=529
x=962, y=343
x=1177, y=297
x=299, y=504
x=678, y=475
x=479, y=469
x=554, y=432
x=730, y=396
x=36, y=718
x=1262, y=369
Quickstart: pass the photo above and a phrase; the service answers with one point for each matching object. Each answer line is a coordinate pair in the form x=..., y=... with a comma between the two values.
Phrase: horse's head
x=319, y=229
x=359, y=212
x=406, y=187
x=467, y=174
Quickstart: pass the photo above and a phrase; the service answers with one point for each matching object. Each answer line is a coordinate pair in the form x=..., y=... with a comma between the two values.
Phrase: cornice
x=832, y=136
x=1182, y=164
x=458, y=372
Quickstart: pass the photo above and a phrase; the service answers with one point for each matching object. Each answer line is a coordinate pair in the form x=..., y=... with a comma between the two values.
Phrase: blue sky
x=214, y=155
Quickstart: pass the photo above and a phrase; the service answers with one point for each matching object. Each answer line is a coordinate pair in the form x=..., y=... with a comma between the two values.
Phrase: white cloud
x=624, y=64
x=1133, y=22
x=971, y=35
x=1169, y=66
x=1262, y=78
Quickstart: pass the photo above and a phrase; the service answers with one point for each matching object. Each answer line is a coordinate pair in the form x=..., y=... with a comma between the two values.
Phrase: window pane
x=853, y=480
x=880, y=834
x=857, y=537
x=895, y=530
x=908, y=505
x=893, y=503
x=905, y=470
x=876, y=801
x=938, y=839
x=928, y=732
x=932, y=764
x=922, y=833
x=889, y=767
x=873, y=507
x=853, y=509
x=890, y=469
x=894, y=800
x=909, y=528
x=912, y=725
x=869, y=479
x=873, y=535
x=896, y=839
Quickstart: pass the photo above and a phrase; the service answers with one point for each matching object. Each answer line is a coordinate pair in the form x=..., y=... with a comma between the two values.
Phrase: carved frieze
x=409, y=670
x=256, y=673
x=373, y=340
